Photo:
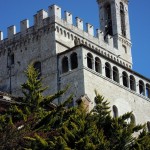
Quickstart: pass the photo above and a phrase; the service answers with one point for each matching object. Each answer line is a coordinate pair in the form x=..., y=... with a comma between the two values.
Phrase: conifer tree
x=33, y=125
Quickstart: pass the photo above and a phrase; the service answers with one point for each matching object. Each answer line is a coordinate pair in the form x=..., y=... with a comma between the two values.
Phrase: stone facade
x=65, y=54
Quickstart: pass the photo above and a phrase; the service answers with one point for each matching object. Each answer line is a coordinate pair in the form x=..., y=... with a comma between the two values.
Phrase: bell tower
x=114, y=21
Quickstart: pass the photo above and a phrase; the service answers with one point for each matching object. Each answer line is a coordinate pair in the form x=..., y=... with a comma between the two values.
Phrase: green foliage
x=33, y=125
x=33, y=89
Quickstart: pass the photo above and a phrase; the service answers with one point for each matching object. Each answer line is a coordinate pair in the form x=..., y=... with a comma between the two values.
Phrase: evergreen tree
x=34, y=125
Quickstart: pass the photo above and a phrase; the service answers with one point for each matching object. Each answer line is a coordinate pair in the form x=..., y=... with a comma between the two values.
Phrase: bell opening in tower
x=122, y=16
x=108, y=21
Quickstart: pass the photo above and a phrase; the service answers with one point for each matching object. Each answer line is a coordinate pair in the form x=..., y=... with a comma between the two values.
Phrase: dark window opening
x=122, y=16
x=125, y=79
x=74, y=61
x=37, y=66
x=148, y=126
x=108, y=21
x=90, y=61
x=65, y=65
x=115, y=111
x=141, y=87
x=132, y=83
x=108, y=70
x=148, y=90
x=97, y=65
x=115, y=74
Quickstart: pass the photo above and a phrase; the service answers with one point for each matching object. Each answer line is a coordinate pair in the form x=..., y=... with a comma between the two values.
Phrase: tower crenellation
x=24, y=25
x=79, y=23
x=1, y=35
x=11, y=31
x=68, y=17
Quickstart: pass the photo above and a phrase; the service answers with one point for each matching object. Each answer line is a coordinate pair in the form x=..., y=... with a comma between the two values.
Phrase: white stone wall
x=117, y=94
x=125, y=100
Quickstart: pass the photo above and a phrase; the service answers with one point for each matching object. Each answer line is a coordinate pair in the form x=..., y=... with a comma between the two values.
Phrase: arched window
x=148, y=90
x=64, y=33
x=57, y=28
x=132, y=83
x=125, y=79
x=122, y=17
x=65, y=65
x=71, y=37
x=61, y=31
x=37, y=66
x=132, y=118
x=115, y=74
x=68, y=34
x=148, y=126
x=74, y=61
x=115, y=111
x=97, y=65
x=108, y=19
x=90, y=60
x=141, y=87
x=108, y=70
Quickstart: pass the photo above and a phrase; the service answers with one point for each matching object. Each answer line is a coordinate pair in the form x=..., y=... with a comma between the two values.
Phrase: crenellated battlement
x=44, y=19
x=54, y=12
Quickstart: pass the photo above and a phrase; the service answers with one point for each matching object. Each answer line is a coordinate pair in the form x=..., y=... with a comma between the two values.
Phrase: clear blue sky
x=13, y=11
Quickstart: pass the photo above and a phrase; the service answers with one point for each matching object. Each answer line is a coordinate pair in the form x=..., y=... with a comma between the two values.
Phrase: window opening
x=37, y=66
x=97, y=65
x=108, y=21
x=65, y=65
x=125, y=79
x=132, y=83
x=115, y=111
x=115, y=74
x=148, y=126
x=148, y=90
x=122, y=16
x=74, y=61
x=108, y=70
x=141, y=87
x=90, y=61
x=132, y=118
